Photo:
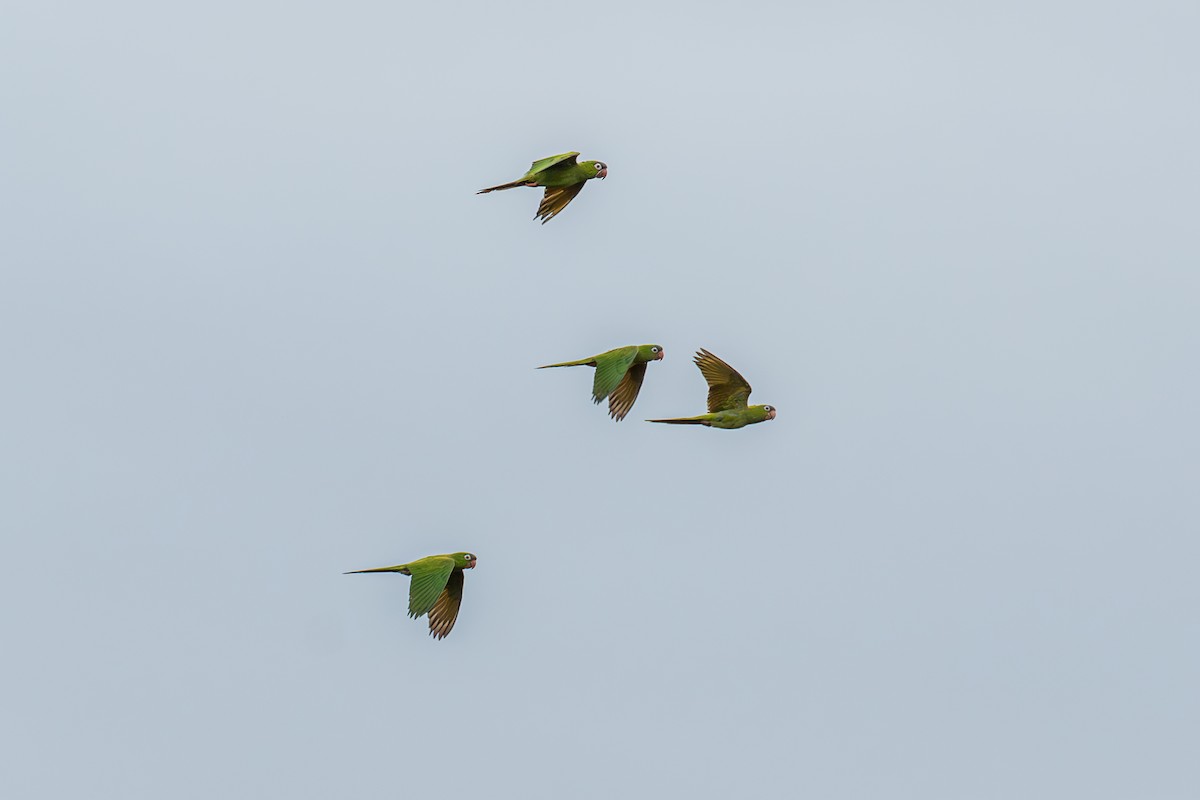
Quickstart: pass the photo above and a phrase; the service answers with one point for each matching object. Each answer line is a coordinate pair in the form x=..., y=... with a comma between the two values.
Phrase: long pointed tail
x=583, y=362
x=379, y=569
x=512, y=185
x=684, y=421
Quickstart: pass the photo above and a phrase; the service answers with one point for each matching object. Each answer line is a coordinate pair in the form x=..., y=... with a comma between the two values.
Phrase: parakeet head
x=464, y=560
x=598, y=168
x=761, y=413
x=649, y=352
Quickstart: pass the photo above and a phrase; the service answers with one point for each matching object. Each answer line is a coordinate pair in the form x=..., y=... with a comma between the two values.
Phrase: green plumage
x=436, y=588
x=728, y=395
x=562, y=177
x=619, y=375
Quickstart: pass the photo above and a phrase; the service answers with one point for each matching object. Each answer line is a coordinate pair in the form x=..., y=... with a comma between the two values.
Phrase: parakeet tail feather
x=512, y=185
x=583, y=362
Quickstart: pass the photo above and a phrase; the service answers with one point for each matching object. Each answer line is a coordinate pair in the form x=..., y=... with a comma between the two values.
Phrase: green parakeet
x=728, y=393
x=563, y=178
x=619, y=375
x=436, y=590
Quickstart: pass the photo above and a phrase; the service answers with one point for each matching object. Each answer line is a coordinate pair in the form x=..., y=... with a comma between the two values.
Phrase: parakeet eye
x=768, y=408
x=654, y=349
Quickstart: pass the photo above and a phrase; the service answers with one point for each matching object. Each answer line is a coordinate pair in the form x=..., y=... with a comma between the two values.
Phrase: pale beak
x=660, y=355
x=771, y=414
x=602, y=173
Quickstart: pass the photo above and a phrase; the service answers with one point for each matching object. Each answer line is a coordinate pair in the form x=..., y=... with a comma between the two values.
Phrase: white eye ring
x=654, y=349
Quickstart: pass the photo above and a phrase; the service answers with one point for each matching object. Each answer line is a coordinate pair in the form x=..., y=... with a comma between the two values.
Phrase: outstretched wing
x=621, y=399
x=555, y=200
x=429, y=576
x=549, y=161
x=611, y=368
x=727, y=390
x=445, y=610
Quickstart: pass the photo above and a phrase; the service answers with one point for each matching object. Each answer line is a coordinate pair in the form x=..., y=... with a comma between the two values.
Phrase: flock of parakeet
x=437, y=581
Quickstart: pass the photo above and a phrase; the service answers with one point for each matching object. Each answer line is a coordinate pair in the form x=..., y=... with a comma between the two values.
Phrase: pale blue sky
x=258, y=330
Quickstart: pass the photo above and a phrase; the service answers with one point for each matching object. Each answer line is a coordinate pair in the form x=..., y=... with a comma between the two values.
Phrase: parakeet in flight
x=728, y=393
x=619, y=375
x=563, y=178
x=436, y=590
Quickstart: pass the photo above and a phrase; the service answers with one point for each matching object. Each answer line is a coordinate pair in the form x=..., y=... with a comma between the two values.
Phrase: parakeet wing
x=550, y=161
x=621, y=399
x=555, y=200
x=610, y=371
x=429, y=577
x=445, y=610
x=727, y=390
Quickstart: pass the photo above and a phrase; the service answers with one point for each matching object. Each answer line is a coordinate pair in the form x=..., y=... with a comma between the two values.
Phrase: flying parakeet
x=619, y=375
x=436, y=590
x=562, y=177
x=727, y=395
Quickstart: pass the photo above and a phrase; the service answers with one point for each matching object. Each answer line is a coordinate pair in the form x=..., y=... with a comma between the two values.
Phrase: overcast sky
x=256, y=329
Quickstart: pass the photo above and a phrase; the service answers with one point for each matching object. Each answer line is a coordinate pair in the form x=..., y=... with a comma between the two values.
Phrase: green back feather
x=429, y=576
x=549, y=161
x=610, y=369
